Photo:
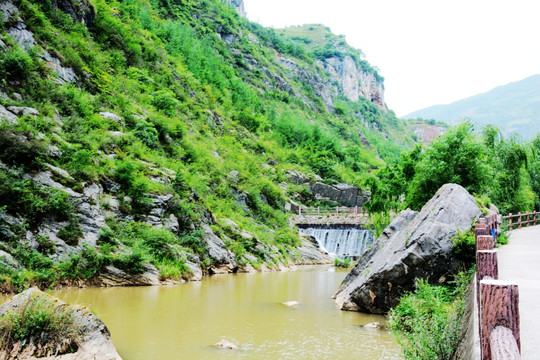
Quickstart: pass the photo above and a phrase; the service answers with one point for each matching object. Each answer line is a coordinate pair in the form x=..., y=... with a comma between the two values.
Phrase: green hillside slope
x=150, y=141
x=514, y=108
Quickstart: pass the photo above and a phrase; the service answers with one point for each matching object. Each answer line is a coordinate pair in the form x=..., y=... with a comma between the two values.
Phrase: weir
x=342, y=241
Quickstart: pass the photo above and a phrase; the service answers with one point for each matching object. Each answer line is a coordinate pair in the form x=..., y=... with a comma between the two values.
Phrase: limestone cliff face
x=238, y=5
x=345, y=79
x=354, y=82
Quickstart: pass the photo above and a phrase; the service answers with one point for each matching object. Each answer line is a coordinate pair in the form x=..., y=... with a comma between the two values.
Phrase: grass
x=343, y=263
x=427, y=322
x=50, y=328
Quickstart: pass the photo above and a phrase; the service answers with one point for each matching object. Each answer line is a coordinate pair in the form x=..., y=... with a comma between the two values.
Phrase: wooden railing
x=333, y=211
x=498, y=301
x=530, y=218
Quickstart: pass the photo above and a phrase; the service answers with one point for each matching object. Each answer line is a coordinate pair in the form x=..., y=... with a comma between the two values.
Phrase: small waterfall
x=340, y=240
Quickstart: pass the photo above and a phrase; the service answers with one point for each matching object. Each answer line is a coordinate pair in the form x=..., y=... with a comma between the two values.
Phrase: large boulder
x=344, y=194
x=414, y=245
x=91, y=338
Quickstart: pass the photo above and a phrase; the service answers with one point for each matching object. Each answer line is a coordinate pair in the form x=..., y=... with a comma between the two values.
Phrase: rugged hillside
x=513, y=108
x=349, y=74
x=425, y=131
x=146, y=142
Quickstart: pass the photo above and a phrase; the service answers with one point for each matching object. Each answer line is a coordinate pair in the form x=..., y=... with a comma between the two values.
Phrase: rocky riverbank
x=37, y=325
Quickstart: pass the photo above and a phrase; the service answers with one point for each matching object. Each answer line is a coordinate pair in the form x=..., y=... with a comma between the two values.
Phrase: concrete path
x=519, y=262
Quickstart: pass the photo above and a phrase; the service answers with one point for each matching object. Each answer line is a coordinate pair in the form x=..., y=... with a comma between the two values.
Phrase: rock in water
x=224, y=344
x=414, y=245
x=292, y=304
x=93, y=339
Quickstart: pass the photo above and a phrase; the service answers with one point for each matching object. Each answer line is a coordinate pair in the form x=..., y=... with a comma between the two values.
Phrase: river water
x=183, y=321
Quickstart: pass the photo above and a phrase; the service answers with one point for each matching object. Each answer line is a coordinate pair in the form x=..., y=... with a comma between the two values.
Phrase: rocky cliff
x=344, y=72
x=238, y=5
x=353, y=82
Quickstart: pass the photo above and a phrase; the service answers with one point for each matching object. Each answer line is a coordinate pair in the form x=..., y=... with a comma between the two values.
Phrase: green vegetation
x=343, y=263
x=39, y=322
x=499, y=171
x=318, y=42
x=464, y=247
x=428, y=322
x=197, y=99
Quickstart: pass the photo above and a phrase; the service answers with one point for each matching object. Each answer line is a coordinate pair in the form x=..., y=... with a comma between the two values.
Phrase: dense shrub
x=17, y=149
x=33, y=202
x=15, y=64
x=427, y=323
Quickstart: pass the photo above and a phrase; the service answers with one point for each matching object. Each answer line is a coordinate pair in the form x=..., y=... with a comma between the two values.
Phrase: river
x=183, y=321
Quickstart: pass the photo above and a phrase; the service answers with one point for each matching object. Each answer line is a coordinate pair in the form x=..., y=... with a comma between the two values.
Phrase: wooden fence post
x=535, y=213
x=499, y=307
x=481, y=229
x=484, y=242
x=519, y=223
x=487, y=267
x=510, y=221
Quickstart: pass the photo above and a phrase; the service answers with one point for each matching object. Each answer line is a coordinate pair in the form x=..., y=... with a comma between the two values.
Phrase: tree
x=457, y=157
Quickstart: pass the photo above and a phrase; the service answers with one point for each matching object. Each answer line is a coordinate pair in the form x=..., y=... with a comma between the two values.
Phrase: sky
x=429, y=51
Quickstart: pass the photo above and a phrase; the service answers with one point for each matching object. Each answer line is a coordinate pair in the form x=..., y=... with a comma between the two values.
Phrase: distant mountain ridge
x=513, y=108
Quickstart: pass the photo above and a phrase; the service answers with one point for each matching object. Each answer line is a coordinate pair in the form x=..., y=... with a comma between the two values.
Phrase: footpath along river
x=183, y=321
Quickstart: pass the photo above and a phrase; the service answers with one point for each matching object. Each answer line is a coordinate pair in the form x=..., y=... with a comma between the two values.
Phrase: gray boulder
x=91, y=337
x=7, y=116
x=21, y=110
x=344, y=194
x=223, y=259
x=413, y=246
x=113, y=276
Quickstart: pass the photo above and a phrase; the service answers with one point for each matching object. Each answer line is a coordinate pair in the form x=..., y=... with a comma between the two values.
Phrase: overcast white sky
x=429, y=51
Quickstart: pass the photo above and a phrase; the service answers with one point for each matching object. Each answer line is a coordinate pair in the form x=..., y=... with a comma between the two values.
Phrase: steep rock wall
x=238, y=5
x=354, y=82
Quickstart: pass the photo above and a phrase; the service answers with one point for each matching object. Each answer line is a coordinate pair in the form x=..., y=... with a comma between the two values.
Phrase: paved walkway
x=519, y=262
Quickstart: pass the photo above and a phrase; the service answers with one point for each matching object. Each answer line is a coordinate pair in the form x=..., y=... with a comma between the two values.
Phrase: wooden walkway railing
x=530, y=219
x=334, y=211
x=497, y=301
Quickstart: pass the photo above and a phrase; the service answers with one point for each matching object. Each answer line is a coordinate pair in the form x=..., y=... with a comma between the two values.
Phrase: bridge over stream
x=336, y=215
x=510, y=305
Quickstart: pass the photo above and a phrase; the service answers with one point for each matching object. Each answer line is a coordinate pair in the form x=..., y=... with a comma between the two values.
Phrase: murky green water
x=183, y=321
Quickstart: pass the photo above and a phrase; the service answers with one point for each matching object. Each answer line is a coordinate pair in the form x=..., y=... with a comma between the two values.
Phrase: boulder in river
x=414, y=245
x=88, y=339
x=225, y=344
x=291, y=304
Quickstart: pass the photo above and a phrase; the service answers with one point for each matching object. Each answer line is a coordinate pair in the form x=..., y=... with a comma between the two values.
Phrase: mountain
x=146, y=142
x=513, y=108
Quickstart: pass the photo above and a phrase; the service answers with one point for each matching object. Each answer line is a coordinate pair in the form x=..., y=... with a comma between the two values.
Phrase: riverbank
x=307, y=253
